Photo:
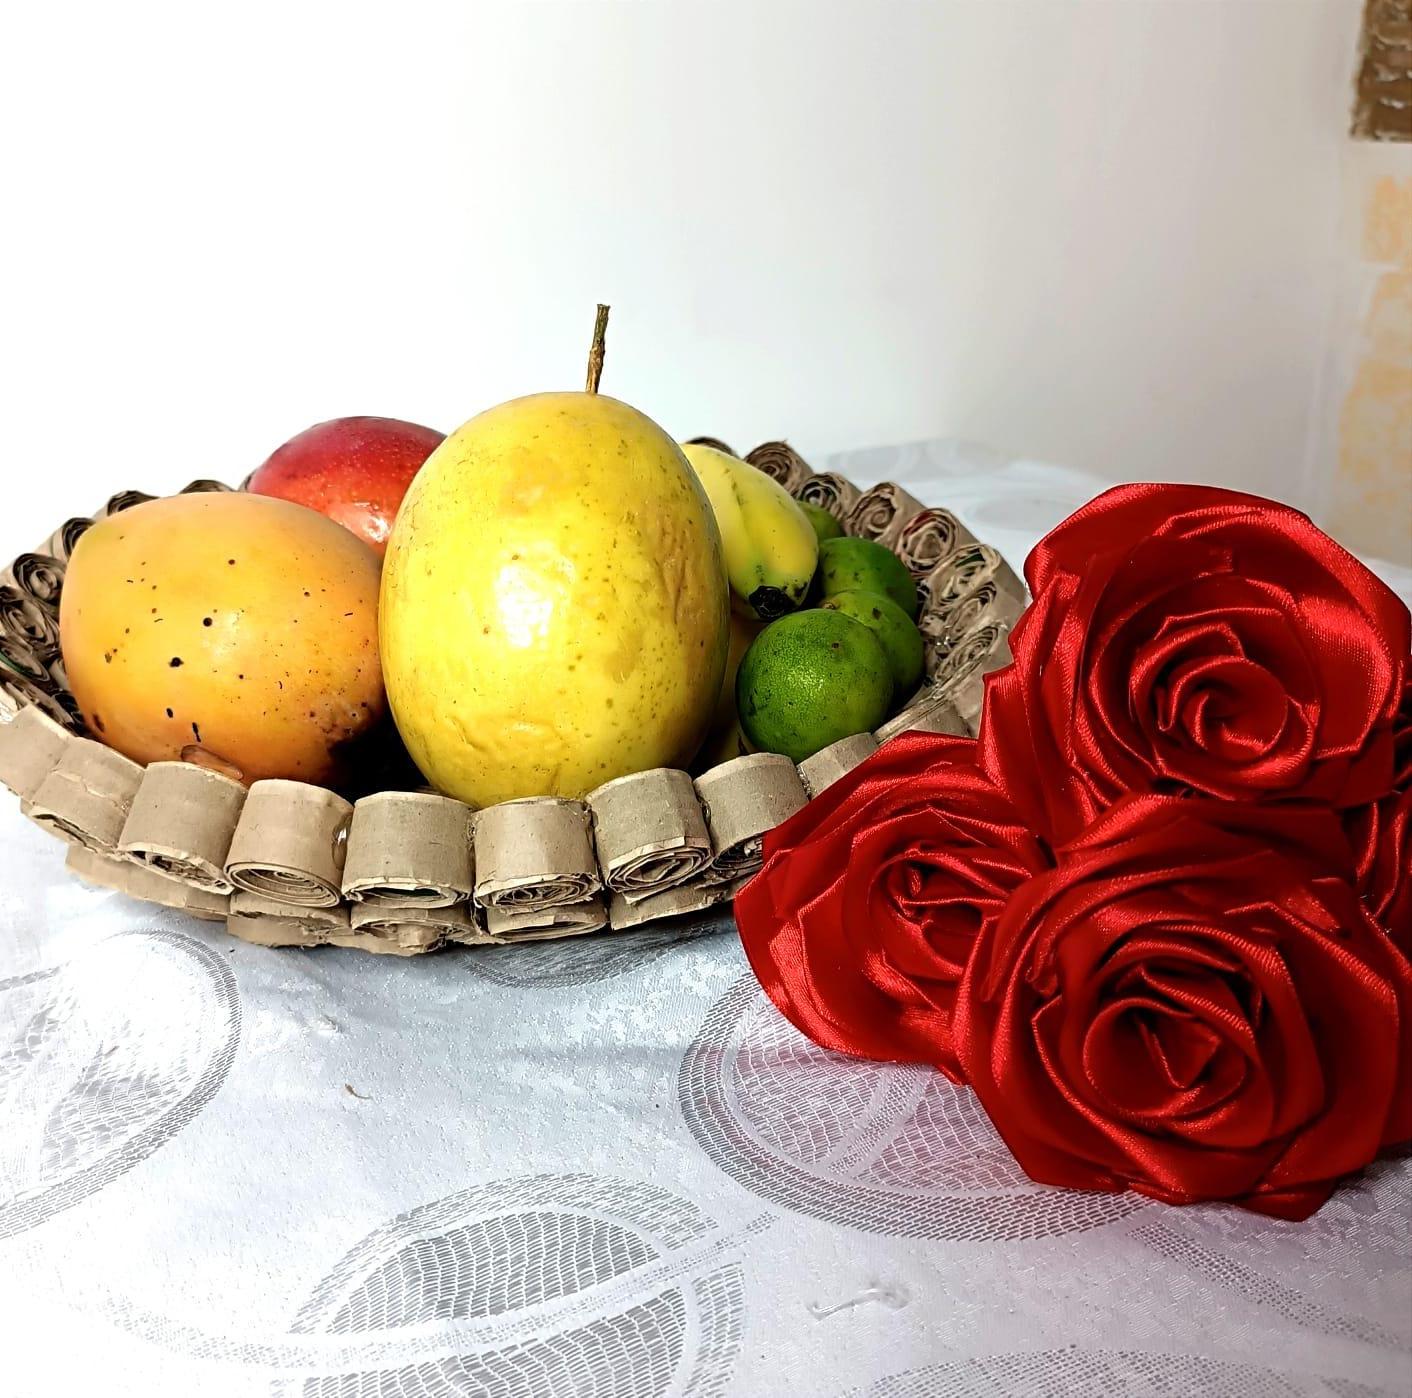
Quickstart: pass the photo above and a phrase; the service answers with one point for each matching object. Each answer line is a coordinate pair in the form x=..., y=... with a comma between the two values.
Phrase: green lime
x=900, y=638
x=825, y=525
x=810, y=679
x=860, y=565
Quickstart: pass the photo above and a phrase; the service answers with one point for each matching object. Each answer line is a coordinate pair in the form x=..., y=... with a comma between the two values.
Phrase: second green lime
x=900, y=638
x=810, y=679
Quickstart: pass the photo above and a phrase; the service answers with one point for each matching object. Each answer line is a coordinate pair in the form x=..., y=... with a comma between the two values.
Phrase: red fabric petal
x=861, y=921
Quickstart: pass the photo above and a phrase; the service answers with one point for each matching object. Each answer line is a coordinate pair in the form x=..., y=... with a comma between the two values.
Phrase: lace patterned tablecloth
x=599, y=1167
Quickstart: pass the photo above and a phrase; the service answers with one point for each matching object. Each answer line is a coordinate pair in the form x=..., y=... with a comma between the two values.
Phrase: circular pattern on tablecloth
x=102, y=1061
x=575, y=1285
x=882, y=1147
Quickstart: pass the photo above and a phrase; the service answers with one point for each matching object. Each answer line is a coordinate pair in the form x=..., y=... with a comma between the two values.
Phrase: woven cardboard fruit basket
x=405, y=871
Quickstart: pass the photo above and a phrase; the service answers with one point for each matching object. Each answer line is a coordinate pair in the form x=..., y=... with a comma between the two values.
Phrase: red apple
x=354, y=470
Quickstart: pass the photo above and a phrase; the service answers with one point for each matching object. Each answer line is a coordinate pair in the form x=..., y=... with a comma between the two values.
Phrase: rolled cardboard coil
x=31, y=745
x=409, y=847
x=289, y=844
x=828, y=491
x=527, y=923
x=417, y=926
x=782, y=463
x=182, y=821
x=925, y=539
x=534, y=854
x=649, y=832
x=836, y=761
x=138, y=881
x=743, y=800
x=87, y=797
x=880, y=513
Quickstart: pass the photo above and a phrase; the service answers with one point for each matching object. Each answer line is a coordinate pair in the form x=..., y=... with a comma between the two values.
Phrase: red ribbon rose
x=1381, y=833
x=1194, y=1005
x=871, y=897
x=1192, y=639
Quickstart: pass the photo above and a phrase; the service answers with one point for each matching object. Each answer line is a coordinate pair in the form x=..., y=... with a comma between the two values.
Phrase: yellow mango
x=554, y=602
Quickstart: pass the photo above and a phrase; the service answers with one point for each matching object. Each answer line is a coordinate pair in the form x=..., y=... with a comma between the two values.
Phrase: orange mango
x=231, y=629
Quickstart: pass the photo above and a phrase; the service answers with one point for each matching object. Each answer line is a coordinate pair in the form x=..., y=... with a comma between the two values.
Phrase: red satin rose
x=862, y=918
x=1191, y=639
x=1193, y=1005
x=1381, y=833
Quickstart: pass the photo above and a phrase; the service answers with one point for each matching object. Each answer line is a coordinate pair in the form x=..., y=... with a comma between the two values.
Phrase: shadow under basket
x=285, y=863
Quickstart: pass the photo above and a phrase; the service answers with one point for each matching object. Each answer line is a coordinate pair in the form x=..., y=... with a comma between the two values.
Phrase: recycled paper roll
x=968, y=693
x=949, y=621
x=743, y=799
x=289, y=844
x=60, y=544
x=123, y=500
x=999, y=609
x=882, y=512
x=830, y=492
x=674, y=902
x=933, y=590
x=542, y=924
x=419, y=928
x=406, y=847
x=270, y=923
x=984, y=604
x=20, y=693
x=710, y=442
x=378, y=946
x=963, y=569
x=931, y=714
x=18, y=659
x=182, y=821
x=781, y=462
x=88, y=795
x=534, y=854
x=928, y=537
x=985, y=649
x=28, y=623
x=138, y=881
x=649, y=832
x=474, y=933
x=31, y=746
x=821, y=771
x=39, y=576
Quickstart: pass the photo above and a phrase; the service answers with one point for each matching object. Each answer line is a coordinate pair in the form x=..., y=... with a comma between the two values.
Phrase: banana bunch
x=771, y=548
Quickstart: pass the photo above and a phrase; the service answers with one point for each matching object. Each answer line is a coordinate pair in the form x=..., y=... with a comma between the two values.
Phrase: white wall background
x=1096, y=231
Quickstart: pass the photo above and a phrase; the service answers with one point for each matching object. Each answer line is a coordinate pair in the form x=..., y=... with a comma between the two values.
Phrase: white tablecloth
x=599, y=1167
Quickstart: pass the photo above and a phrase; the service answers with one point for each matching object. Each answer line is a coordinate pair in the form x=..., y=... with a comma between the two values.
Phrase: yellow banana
x=771, y=548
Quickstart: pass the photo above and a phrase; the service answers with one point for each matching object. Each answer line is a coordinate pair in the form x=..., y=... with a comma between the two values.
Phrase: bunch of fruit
x=802, y=676
x=566, y=596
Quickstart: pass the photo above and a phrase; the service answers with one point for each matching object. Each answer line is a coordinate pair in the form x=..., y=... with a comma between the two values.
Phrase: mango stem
x=597, y=349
